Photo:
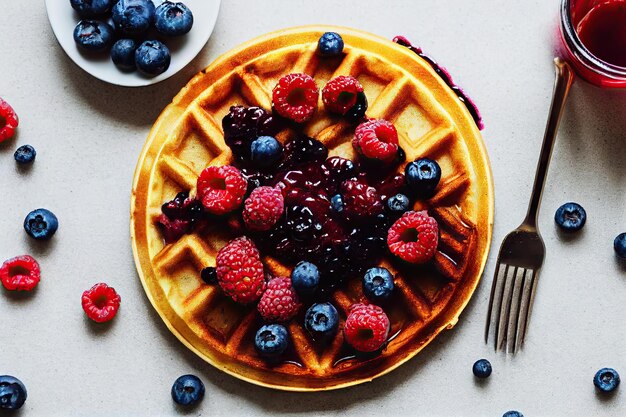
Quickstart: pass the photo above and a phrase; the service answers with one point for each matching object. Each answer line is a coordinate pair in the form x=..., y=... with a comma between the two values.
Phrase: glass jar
x=585, y=63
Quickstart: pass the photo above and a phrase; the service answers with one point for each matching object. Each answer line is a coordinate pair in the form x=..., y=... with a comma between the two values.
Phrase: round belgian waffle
x=431, y=121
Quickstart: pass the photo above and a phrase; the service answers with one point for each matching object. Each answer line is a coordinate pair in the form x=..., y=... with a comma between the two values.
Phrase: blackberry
x=302, y=224
x=242, y=125
x=301, y=150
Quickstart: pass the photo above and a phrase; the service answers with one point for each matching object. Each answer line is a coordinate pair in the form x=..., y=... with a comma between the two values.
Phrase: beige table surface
x=88, y=135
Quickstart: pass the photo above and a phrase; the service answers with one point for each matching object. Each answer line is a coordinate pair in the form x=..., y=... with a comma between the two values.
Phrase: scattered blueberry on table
x=12, y=393
x=187, y=390
x=271, y=340
x=512, y=414
x=378, y=284
x=570, y=217
x=482, y=368
x=25, y=154
x=619, y=244
x=606, y=379
x=41, y=224
x=173, y=19
x=330, y=44
x=422, y=177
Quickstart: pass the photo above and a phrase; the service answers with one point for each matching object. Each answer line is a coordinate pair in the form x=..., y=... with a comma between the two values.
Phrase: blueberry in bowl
x=123, y=54
x=133, y=17
x=152, y=58
x=91, y=8
x=173, y=19
x=93, y=35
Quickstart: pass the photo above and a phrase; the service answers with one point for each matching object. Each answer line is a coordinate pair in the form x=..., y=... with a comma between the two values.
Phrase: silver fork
x=522, y=251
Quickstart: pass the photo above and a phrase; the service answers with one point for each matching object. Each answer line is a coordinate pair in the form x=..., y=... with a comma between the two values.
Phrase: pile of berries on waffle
x=332, y=218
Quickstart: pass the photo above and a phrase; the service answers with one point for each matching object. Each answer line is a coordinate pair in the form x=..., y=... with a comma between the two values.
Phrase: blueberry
x=606, y=379
x=482, y=368
x=305, y=278
x=271, y=340
x=377, y=284
x=570, y=217
x=25, y=154
x=619, y=244
x=187, y=390
x=209, y=275
x=356, y=113
x=265, y=151
x=133, y=17
x=512, y=414
x=336, y=203
x=398, y=204
x=173, y=19
x=12, y=393
x=93, y=35
x=91, y=8
x=123, y=54
x=152, y=58
x=321, y=321
x=41, y=224
x=422, y=177
x=330, y=44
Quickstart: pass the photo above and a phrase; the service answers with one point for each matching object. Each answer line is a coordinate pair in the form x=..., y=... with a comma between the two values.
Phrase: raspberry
x=21, y=273
x=263, y=208
x=221, y=189
x=340, y=94
x=295, y=97
x=413, y=237
x=366, y=328
x=279, y=302
x=360, y=200
x=101, y=302
x=376, y=139
x=8, y=121
x=240, y=271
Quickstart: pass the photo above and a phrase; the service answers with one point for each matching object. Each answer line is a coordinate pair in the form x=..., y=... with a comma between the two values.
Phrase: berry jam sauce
x=447, y=78
x=603, y=31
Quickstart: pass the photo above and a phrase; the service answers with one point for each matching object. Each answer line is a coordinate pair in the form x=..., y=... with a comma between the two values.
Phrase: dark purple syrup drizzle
x=447, y=78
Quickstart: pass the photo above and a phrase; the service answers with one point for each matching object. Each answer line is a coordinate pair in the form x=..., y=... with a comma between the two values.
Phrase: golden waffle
x=431, y=121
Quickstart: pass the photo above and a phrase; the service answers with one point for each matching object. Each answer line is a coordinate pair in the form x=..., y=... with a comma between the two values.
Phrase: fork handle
x=562, y=84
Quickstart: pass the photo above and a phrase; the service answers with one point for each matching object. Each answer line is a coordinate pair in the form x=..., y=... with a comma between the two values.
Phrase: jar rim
x=580, y=51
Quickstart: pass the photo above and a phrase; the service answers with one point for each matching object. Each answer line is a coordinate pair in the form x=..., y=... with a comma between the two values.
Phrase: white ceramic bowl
x=63, y=20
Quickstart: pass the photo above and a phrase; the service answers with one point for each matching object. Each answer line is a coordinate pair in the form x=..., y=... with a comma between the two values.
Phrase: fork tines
x=510, y=304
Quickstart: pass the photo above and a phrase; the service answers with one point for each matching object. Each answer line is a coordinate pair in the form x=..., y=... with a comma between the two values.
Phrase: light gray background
x=89, y=134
